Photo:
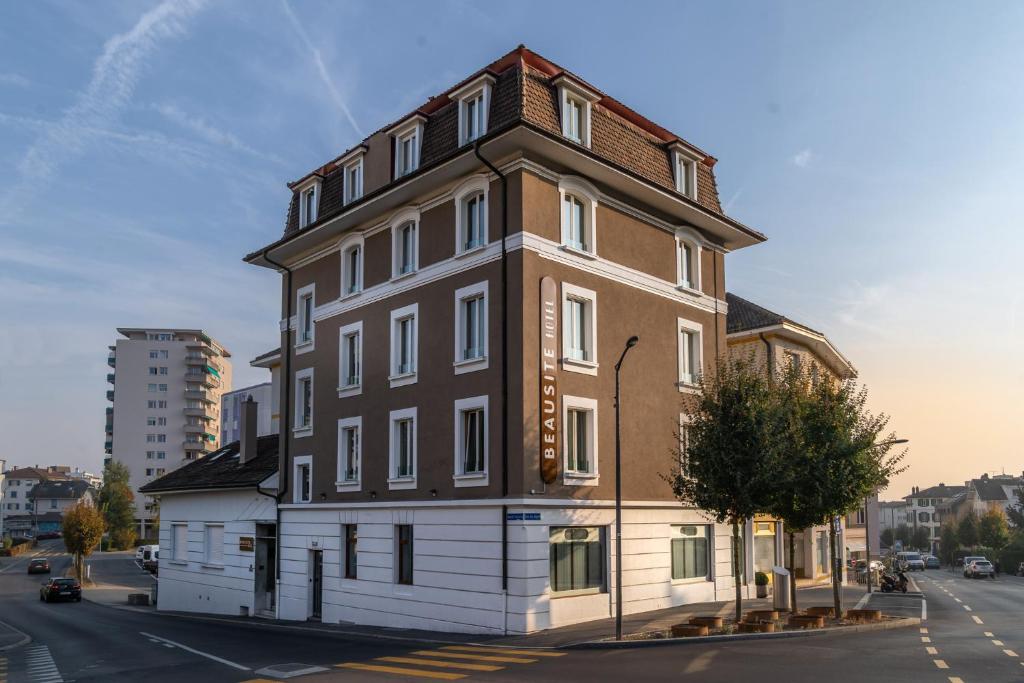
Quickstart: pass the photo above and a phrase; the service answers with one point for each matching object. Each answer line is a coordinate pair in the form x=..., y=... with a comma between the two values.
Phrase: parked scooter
x=894, y=582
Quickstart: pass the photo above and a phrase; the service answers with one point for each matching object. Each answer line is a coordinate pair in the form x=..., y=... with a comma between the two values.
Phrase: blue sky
x=144, y=149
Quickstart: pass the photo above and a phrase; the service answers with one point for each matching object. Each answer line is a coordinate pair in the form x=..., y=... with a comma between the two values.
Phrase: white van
x=144, y=553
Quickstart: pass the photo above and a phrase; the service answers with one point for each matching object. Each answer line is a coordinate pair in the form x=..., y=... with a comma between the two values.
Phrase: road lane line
x=198, y=652
x=998, y=643
x=503, y=651
x=955, y=679
x=481, y=658
x=931, y=650
x=941, y=664
x=419, y=673
x=968, y=608
x=989, y=634
x=439, y=663
x=977, y=620
x=925, y=639
x=924, y=630
x=958, y=599
x=1009, y=653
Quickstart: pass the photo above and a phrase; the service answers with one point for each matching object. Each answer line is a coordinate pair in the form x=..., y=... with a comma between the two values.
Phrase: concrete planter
x=689, y=631
x=829, y=612
x=761, y=615
x=757, y=627
x=864, y=615
x=762, y=591
x=710, y=622
x=806, y=621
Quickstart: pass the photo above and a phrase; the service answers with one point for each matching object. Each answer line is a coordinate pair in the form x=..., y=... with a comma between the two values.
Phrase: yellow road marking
x=437, y=662
x=997, y=642
x=925, y=639
x=503, y=650
x=482, y=658
x=931, y=650
x=989, y=634
x=977, y=620
x=1010, y=653
x=924, y=630
x=941, y=664
x=955, y=679
x=444, y=675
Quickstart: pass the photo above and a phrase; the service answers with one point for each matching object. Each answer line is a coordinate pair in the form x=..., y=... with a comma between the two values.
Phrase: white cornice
x=355, y=152
x=491, y=502
x=474, y=85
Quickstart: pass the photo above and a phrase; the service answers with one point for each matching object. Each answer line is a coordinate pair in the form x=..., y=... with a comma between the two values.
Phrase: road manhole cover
x=290, y=670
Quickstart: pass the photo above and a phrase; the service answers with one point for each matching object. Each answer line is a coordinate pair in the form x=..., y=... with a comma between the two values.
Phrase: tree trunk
x=836, y=568
x=736, y=569
x=792, y=573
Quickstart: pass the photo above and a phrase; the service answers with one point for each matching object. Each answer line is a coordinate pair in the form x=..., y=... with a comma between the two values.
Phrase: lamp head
x=632, y=341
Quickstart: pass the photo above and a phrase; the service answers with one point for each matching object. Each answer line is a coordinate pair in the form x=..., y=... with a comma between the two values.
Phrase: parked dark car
x=48, y=535
x=152, y=566
x=39, y=567
x=931, y=562
x=61, y=589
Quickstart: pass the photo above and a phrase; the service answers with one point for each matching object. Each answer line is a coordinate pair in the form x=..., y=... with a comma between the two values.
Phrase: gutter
x=504, y=364
x=284, y=440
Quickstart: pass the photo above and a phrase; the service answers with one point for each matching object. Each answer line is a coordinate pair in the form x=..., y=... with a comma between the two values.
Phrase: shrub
x=760, y=579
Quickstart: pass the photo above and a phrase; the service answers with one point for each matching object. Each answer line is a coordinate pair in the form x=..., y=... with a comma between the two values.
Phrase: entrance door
x=266, y=565
x=316, y=583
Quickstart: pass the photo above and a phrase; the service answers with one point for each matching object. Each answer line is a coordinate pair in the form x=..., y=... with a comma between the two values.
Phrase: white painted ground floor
x=439, y=566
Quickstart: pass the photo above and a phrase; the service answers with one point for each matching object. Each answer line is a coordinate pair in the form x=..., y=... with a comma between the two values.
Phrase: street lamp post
x=867, y=518
x=618, y=495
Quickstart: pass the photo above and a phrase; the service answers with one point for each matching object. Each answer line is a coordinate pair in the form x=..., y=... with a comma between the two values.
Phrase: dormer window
x=353, y=180
x=685, y=171
x=575, y=101
x=474, y=104
x=408, y=141
x=309, y=199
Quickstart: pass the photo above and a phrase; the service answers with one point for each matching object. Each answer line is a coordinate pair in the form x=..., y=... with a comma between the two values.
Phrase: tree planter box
x=806, y=621
x=689, y=631
x=829, y=612
x=710, y=622
x=761, y=615
x=756, y=627
x=140, y=599
x=864, y=614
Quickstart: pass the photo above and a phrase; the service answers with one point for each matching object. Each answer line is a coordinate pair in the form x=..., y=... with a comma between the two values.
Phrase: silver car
x=980, y=569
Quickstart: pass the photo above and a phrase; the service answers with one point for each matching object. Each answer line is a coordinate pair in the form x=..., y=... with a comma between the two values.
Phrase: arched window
x=352, y=267
x=405, y=243
x=471, y=214
x=578, y=216
x=688, y=250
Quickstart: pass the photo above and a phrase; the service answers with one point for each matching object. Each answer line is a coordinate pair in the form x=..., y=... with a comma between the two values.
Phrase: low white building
x=218, y=528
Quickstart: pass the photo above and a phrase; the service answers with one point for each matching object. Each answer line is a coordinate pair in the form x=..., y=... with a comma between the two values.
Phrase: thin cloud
x=803, y=158
x=321, y=68
x=210, y=133
x=14, y=79
x=114, y=75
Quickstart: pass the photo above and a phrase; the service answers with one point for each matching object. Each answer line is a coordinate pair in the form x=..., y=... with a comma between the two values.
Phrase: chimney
x=247, y=443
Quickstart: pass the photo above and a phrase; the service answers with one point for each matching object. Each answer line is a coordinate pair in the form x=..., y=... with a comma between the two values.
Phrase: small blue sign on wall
x=523, y=516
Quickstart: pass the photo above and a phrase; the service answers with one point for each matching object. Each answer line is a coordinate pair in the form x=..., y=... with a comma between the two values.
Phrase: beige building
x=777, y=342
x=165, y=395
x=456, y=292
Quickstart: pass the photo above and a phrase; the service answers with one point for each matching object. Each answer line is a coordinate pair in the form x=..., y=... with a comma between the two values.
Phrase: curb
x=25, y=638
x=846, y=630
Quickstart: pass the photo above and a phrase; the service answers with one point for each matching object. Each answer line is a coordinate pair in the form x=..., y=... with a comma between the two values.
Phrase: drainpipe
x=284, y=432
x=768, y=357
x=504, y=365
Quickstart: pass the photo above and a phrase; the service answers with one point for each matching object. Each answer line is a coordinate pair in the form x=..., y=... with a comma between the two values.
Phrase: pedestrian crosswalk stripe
x=931, y=650
x=503, y=650
x=439, y=663
x=997, y=642
x=419, y=673
x=941, y=664
x=482, y=658
x=1010, y=653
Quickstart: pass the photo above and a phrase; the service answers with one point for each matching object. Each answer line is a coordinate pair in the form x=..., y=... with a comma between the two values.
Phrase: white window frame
x=396, y=482
x=298, y=462
x=344, y=332
x=209, y=559
x=396, y=378
x=687, y=238
x=314, y=186
x=352, y=191
x=342, y=484
x=588, y=195
x=479, y=87
x=179, y=555
x=684, y=170
x=469, y=189
x=461, y=365
x=574, y=478
x=305, y=345
x=355, y=242
x=589, y=366
x=398, y=221
x=299, y=429
x=460, y=476
x=402, y=132
x=682, y=325
x=569, y=90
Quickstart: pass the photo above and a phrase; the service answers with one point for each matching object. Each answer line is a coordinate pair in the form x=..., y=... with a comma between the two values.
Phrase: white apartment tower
x=166, y=396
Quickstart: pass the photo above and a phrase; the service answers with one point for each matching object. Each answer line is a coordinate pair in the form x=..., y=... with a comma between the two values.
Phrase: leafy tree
x=904, y=534
x=1015, y=512
x=967, y=531
x=993, y=531
x=887, y=537
x=117, y=502
x=82, y=529
x=851, y=455
x=921, y=539
x=948, y=542
x=729, y=464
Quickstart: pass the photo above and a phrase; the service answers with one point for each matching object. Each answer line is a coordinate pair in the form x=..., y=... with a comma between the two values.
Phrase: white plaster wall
x=457, y=567
x=194, y=585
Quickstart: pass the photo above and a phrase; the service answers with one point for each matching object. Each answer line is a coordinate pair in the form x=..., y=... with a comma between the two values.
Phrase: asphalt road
x=92, y=642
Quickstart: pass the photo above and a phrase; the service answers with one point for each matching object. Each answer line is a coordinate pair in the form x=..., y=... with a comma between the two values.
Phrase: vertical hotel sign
x=548, y=380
